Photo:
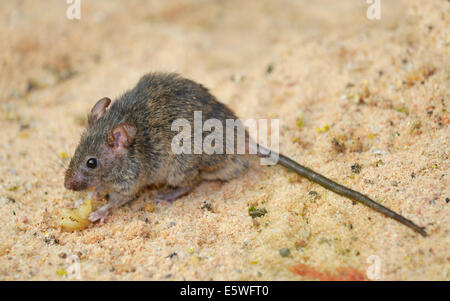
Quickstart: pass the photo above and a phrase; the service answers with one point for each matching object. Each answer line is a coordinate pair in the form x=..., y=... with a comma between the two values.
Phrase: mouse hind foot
x=232, y=168
x=172, y=194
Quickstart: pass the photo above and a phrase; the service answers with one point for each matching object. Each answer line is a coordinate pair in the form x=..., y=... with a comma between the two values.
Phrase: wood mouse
x=128, y=147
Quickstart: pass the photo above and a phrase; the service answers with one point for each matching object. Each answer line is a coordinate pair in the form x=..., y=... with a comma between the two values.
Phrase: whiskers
x=62, y=159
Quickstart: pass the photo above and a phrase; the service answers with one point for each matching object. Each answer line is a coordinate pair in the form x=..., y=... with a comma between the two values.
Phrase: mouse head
x=103, y=146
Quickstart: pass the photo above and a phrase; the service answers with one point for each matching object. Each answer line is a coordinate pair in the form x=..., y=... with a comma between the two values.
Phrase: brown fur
x=132, y=142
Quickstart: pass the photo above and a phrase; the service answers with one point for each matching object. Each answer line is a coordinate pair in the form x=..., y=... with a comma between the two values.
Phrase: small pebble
x=356, y=168
x=51, y=240
x=314, y=195
x=172, y=255
x=206, y=205
x=324, y=240
x=305, y=233
x=7, y=199
x=300, y=244
x=378, y=152
x=284, y=252
x=368, y=181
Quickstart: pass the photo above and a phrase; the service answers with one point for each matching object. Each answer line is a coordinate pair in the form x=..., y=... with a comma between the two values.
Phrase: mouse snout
x=75, y=183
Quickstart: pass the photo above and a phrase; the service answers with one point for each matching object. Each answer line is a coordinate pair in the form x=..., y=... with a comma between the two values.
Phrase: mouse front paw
x=100, y=214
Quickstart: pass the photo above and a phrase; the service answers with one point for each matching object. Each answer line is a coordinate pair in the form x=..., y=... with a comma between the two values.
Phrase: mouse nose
x=68, y=184
x=74, y=184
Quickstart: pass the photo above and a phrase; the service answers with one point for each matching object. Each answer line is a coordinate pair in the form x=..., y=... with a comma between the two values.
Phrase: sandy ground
x=346, y=90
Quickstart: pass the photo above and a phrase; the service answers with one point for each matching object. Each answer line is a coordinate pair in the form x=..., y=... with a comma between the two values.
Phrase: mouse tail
x=337, y=188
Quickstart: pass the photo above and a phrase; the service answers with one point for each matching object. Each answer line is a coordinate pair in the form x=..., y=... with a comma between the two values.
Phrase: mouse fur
x=131, y=142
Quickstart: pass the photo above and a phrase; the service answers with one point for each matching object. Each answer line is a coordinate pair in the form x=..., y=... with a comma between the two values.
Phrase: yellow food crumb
x=295, y=139
x=75, y=219
x=13, y=187
x=402, y=110
x=325, y=128
x=300, y=120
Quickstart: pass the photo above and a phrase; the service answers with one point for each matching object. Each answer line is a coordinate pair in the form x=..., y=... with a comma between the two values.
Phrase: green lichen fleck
x=256, y=212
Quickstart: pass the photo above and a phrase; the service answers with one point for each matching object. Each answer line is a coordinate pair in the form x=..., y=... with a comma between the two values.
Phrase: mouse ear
x=121, y=137
x=98, y=110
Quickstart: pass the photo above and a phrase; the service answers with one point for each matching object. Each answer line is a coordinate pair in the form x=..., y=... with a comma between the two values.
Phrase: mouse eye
x=91, y=163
